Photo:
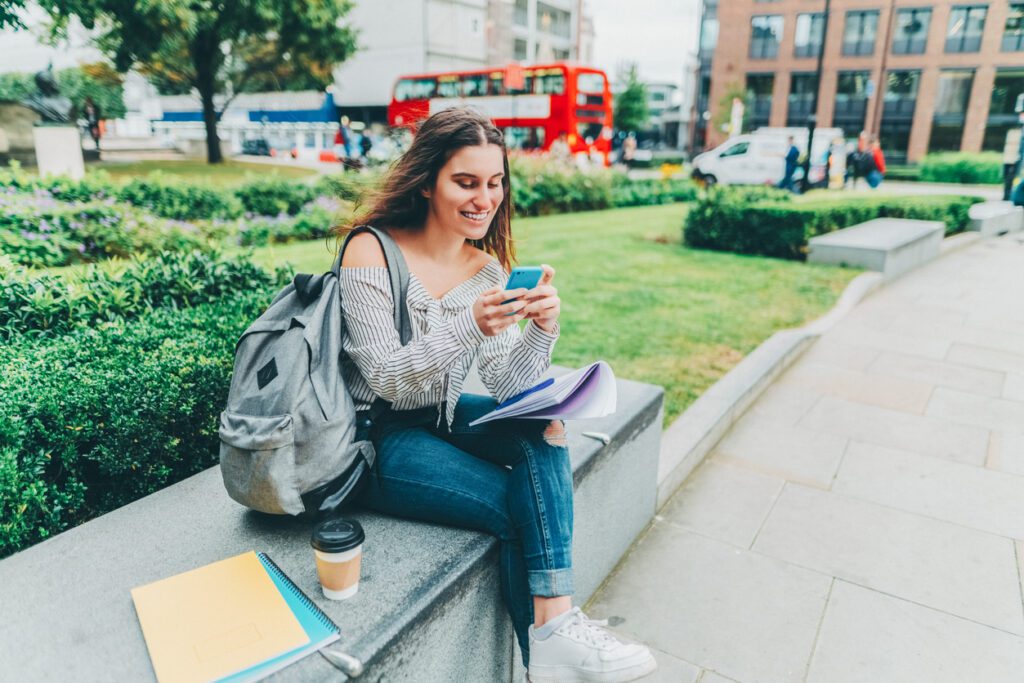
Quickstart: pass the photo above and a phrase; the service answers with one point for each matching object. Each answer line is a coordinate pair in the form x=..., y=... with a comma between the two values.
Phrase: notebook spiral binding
x=298, y=592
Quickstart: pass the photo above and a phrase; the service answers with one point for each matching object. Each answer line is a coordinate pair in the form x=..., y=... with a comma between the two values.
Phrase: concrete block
x=59, y=151
x=996, y=218
x=891, y=246
x=428, y=607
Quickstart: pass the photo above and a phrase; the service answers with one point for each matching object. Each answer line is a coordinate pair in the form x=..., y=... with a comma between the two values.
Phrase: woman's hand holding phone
x=543, y=305
x=497, y=308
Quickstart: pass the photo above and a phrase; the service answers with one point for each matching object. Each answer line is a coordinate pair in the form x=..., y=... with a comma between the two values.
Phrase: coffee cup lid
x=337, y=535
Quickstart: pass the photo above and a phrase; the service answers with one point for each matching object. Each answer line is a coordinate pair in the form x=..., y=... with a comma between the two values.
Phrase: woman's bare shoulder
x=363, y=251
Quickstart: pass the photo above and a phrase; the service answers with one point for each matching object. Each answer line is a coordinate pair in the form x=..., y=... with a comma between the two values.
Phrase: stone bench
x=996, y=218
x=428, y=607
x=890, y=246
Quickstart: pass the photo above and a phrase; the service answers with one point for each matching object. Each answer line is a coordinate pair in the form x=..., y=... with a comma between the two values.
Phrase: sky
x=659, y=35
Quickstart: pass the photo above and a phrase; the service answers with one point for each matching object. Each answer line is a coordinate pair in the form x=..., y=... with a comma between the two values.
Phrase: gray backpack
x=287, y=437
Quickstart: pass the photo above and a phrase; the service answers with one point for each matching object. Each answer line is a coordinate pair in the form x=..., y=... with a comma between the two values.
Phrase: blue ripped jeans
x=502, y=477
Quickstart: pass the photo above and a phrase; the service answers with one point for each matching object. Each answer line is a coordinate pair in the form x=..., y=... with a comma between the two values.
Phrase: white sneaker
x=579, y=651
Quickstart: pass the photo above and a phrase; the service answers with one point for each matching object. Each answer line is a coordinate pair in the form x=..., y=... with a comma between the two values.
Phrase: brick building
x=924, y=75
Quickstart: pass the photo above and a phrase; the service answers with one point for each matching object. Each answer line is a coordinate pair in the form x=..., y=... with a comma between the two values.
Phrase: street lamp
x=813, y=118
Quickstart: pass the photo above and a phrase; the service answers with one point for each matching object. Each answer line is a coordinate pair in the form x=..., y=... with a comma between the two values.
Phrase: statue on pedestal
x=47, y=101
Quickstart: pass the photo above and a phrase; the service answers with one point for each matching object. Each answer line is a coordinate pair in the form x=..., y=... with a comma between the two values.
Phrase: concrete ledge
x=691, y=437
x=428, y=608
x=891, y=246
x=996, y=218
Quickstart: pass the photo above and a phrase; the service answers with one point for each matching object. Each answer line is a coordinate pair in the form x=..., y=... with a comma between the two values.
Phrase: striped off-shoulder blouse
x=432, y=367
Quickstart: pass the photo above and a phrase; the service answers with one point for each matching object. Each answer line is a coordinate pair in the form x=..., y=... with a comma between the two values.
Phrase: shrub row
x=314, y=221
x=49, y=305
x=963, y=167
x=169, y=197
x=726, y=221
x=38, y=230
x=94, y=420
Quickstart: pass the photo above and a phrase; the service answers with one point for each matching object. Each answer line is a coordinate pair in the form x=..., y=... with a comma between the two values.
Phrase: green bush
x=626, y=192
x=92, y=421
x=273, y=195
x=909, y=173
x=315, y=220
x=180, y=200
x=963, y=167
x=49, y=305
x=726, y=221
x=94, y=186
x=37, y=230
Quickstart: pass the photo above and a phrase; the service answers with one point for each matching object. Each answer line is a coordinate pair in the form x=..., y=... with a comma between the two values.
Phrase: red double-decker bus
x=532, y=105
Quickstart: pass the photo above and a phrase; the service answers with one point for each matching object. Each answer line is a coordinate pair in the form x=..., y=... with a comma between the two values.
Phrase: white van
x=759, y=158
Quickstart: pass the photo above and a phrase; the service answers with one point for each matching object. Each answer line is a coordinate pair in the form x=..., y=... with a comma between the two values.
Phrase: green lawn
x=223, y=175
x=633, y=296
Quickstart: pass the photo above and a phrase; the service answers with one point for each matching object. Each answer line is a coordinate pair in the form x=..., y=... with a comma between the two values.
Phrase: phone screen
x=524, y=277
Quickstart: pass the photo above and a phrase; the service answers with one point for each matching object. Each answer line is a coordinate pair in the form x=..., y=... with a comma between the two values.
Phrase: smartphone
x=523, y=277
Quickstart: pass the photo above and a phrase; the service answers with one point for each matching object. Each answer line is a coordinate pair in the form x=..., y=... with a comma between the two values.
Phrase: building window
x=911, y=36
x=809, y=31
x=802, y=88
x=519, y=50
x=898, y=114
x=950, y=110
x=759, y=98
x=1013, y=35
x=765, y=36
x=520, y=12
x=966, y=24
x=555, y=21
x=1001, y=117
x=859, y=34
x=709, y=31
x=851, y=101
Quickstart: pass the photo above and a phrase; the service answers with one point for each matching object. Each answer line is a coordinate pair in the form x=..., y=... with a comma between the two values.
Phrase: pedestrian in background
x=875, y=164
x=792, y=157
x=92, y=120
x=628, y=151
x=855, y=160
x=1011, y=160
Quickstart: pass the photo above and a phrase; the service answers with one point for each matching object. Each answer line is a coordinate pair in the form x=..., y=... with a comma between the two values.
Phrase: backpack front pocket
x=257, y=461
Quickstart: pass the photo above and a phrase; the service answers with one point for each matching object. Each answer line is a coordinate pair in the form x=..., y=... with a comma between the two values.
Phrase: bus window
x=474, y=85
x=497, y=83
x=524, y=137
x=590, y=83
x=403, y=90
x=415, y=89
x=448, y=86
x=588, y=132
x=527, y=87
x=549, y=84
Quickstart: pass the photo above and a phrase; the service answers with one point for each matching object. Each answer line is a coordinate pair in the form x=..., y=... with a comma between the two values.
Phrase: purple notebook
x=584, y=393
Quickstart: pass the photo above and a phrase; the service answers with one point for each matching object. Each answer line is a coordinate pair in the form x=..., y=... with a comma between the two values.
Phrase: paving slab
x=1014, y=388
x=922, y=434
x=794, y=453
x=672, y=669
x=870, y=636
x=1006, y=452
x=919, y=344
x=841, y=354
x=785, y=404
x=741, y=614
x=896, y=393
x=939, y=373
x=972, y=496
x=968, y=573
x=990, y=359
x=971, y=409
x=724, y=501
x=712, y=677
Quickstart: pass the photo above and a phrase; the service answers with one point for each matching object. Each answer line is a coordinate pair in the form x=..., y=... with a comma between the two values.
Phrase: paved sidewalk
x=864, y=521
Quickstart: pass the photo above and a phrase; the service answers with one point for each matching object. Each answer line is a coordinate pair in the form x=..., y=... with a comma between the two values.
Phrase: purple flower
x=81, y=248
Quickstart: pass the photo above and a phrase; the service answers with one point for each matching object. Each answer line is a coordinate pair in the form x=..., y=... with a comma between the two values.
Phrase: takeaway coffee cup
x=338, y=545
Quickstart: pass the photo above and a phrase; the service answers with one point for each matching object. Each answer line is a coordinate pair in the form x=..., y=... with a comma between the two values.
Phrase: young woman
x=446, y=203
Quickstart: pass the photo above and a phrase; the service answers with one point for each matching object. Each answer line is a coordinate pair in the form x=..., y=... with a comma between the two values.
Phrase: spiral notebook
x=238, y=619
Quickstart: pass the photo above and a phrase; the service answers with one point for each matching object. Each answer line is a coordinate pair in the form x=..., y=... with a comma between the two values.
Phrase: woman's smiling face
x=469, y=190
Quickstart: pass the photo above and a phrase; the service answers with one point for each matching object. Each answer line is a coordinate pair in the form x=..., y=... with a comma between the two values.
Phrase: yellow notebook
x=215, y=621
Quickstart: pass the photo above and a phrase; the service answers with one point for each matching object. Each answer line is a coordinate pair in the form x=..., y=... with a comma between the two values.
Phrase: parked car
x=256, y=146
x=759, y=158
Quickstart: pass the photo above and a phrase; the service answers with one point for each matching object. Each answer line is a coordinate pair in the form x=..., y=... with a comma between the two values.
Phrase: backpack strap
x=398, y=271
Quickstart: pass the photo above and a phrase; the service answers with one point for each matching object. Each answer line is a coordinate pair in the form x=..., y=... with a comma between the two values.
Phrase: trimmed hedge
x=176, y=199
x=726, y=221
x=48, y=305
x=94, y=420
x=963, y=167
x=271, y=196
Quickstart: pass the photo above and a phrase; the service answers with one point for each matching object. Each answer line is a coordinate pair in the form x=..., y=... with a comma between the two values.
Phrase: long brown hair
x=399, y=202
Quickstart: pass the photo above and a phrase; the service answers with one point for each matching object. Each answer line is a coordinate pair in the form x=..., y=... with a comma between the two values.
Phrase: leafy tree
x=631, y=104
x=214, y=46
x=99, y=81
x=10, y=14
